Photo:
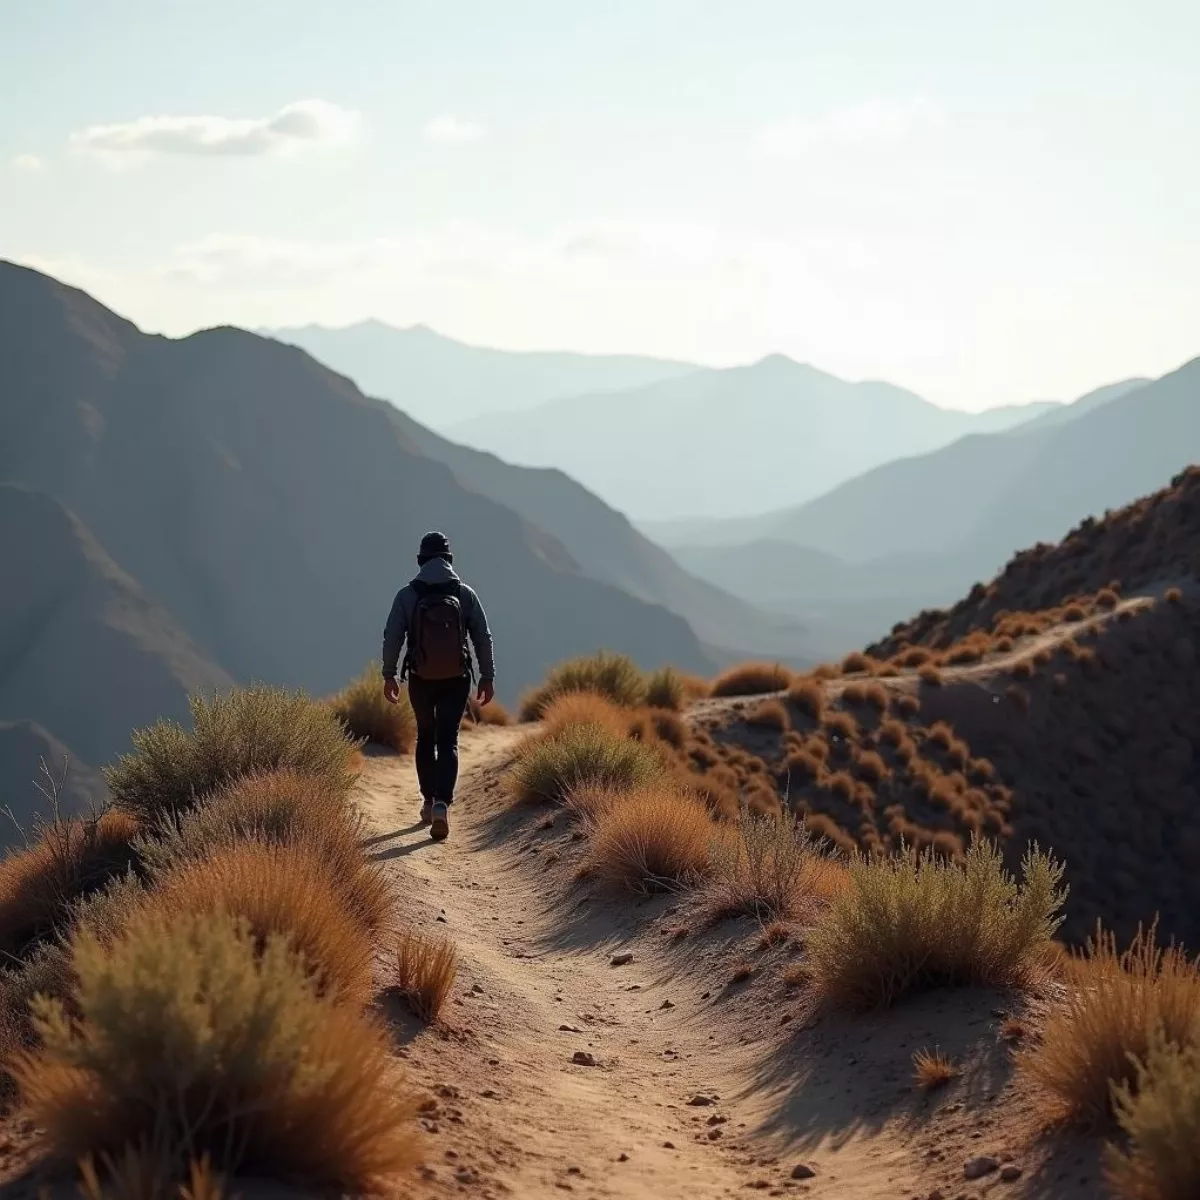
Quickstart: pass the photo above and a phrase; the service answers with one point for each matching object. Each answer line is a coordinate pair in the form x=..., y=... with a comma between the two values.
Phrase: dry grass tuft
x=742, y=972
x=547, y=768
x=656, y=837
x=614, y=676
x=929, y=675
x=585, y=708
x=932, y=1069
x=426, y=967
x=281, y=808
x=367, y=716
x=665, y=688
x=488, y=714
x=70, y=859
x=1159, y=1113
x=1114, y=1004
x=807, y=695
x=146, y=1172
x=752, y=679
x=669, y=727
x=243, y=732
x=911, y=922
x=194, y=1038
x=856, y=662
x=282, y=891
x=770, y=714
x=777, y=933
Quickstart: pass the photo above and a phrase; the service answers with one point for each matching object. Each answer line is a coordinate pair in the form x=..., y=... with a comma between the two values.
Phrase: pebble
x=1011, y=1172
x=977, y=1168
x=668, y=1145
x=583, y=1058
x=700, y=1100
x=619, y=960
x=622, y=1157
x=667, y=1004
x=803, y=1171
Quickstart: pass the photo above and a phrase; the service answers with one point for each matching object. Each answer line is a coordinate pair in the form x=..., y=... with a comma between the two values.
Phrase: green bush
x=578, y=755
x=244, y=731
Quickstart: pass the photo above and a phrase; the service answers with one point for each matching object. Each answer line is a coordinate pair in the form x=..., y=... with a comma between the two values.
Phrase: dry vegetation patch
x=548, y=767
x=614, y=676
x=752, y=679
x=426, y=967
x=366, y=715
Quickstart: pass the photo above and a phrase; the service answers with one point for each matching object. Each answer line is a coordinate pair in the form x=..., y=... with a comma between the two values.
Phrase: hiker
x=436, y=613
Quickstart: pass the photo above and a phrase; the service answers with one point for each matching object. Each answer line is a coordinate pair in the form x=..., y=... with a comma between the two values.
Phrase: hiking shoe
x=441, y=822
x=426, y=812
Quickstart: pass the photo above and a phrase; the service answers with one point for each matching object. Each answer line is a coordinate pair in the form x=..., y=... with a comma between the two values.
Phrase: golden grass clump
x=244, y=731
x=426, y=967
x=807, y=695
x=857, y=662
x=281, y=808
x=654, y=838
x=366, y=714
x=929, y=675
x=1113, y=1006
x=770, y=714
x=69, y=859
x=932, y=1069
x=911, y=922
x=669, y=727
x=666, y=688
x=766, y=867
x=1159, y=1113
x=614, y=676
x=278, y=890
x=752, y=679
x=548, y=767
x=585, y=708
x=195, y=1038
x=146, y=1172
x=488, y=714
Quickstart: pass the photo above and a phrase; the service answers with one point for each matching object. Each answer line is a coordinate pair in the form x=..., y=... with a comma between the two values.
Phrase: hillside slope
x=269, y=506
x=608, y=548
x=726, y=442
x=441, y=381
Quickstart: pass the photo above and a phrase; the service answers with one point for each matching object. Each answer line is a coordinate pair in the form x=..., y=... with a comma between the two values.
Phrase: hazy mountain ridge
x=440, y=381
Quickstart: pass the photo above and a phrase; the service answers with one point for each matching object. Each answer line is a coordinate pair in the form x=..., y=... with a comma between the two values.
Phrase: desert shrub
x=770, y=714
x=929, y=675
x=694, y=687
x=1074, y=612
x=856, y=662
x=1022, y=669
x=841, y=783
x=281, y=808
x=585, y=708
x=854, y=693
x=932, y=1069
x=278, y=890
x=807, y=695
x=614, y=676
x=68, y=859
x=1003, y=645
x=941, y=735
x=871, y=767
x=426, y=967
x=910, y=922
x=877, y=697
x=1159, y=1113
x=841, y=724
x=669, y=727
x=244, y=731
x=892, y=731
x=488, y=714
x=665, y=688
x=192, y=1035
x=802, y=766
x=366, y=715
x=1107, y=599
x=759, y=868
x=146, y=1172
x=1116, y=1001
x=655, y=837
x=752, y=679
x=548, y=767
x=907, y=704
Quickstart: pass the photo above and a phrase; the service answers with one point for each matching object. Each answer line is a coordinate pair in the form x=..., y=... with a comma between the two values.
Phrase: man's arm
x=394, y=633
x=481, y=639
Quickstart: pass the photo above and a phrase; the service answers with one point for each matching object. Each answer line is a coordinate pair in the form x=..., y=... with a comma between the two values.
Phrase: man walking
x=436, y=613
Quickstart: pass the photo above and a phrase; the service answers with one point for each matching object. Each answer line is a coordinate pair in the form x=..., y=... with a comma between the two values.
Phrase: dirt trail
x=515, y=1115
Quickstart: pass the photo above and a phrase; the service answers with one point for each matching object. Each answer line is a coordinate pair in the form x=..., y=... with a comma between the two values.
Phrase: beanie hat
x=434, y=545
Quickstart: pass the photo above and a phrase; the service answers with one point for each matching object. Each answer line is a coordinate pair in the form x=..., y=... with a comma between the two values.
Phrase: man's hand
x=486, y=691
x=391, y=690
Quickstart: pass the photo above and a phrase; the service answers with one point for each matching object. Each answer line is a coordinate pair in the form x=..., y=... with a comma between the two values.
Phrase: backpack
x=437, y=637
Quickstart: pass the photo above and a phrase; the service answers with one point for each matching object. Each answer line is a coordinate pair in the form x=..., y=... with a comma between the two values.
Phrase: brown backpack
x=437, y=637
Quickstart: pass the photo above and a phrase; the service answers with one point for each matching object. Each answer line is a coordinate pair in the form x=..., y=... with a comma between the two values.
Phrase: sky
x=987, y=203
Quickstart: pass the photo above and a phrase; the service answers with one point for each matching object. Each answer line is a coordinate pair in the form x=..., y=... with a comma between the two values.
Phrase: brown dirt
x=511, y=1115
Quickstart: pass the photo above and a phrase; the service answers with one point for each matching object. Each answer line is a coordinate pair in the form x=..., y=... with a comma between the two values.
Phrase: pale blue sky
x=984, y=202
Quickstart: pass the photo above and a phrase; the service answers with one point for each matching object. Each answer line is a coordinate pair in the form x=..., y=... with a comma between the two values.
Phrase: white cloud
x=28, y=164
x=304, y=124
x=875, y=120
x=448, y=128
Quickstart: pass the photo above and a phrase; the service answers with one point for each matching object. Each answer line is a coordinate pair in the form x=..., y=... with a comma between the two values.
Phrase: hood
x=436, y=570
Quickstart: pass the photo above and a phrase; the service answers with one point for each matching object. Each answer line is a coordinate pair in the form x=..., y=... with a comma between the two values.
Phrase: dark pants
x=439, y=705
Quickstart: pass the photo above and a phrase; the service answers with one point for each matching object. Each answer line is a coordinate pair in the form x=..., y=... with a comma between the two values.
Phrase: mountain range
x=178, y=515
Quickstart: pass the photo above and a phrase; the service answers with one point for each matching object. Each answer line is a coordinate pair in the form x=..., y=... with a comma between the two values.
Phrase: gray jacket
x=437, y=570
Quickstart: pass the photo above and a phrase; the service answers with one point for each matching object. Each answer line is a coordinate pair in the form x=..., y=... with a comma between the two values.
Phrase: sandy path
x=515, y=1113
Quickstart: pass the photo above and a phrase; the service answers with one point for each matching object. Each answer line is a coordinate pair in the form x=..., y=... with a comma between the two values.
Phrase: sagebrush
x=366, y=714
x=547, y=768
x=614, y=676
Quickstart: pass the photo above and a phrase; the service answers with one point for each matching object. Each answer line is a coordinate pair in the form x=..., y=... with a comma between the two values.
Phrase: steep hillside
x=441, y=381
x=727, y=442
x=269, y=506
x=608, y=548
x=84, y=653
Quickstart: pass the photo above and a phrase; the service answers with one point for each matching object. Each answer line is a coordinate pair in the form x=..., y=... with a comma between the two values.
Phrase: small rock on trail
x=620, y=960
x=977, y=1168
x=802, y=1171
x=583, y=1058
x=699, y=1100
